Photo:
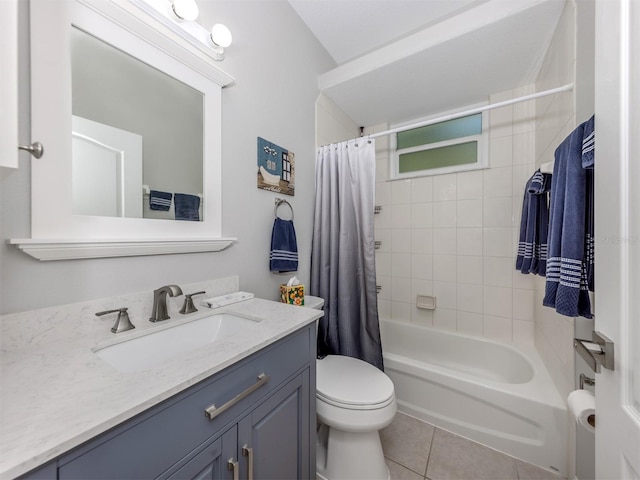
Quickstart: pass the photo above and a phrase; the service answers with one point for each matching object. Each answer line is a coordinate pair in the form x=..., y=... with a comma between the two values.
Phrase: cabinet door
x=212, y=463
x=274, y=437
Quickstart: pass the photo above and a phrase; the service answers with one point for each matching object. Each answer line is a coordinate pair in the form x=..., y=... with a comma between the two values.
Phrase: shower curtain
x=343, y=257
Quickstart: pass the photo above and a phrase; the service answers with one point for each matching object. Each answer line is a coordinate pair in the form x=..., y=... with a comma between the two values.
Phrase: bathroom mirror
x=134, y=129
x=156, y=41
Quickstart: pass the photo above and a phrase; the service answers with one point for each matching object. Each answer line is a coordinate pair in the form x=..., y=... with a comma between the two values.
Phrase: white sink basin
x=150, y=350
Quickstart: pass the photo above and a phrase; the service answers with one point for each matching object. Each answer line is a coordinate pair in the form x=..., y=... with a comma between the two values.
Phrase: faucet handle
x=188, y=306
x=123, y=323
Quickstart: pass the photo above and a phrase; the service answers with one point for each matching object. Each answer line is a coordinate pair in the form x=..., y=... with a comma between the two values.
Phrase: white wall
x=332, y=124
x=455, y=237
x=275, y=61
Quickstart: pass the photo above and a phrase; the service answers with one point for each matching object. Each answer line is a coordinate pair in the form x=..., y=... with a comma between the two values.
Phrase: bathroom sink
x=150, y=350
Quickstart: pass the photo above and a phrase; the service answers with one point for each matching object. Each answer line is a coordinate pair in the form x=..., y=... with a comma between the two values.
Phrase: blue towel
x=159, y=200
x=284, y=247
x=187, y=207
x=534, y=225
x=567, y=281
x=588, y=161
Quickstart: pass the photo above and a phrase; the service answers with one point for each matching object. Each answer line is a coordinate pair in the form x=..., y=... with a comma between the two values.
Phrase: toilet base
x=340, y=455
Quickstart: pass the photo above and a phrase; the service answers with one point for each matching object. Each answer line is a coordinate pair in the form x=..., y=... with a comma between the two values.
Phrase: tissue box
x=293, y=294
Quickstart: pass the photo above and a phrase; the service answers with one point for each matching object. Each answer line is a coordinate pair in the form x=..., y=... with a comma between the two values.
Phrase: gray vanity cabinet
x=267, y=431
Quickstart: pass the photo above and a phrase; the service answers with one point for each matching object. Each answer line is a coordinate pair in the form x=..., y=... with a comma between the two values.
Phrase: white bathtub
x=486, y=391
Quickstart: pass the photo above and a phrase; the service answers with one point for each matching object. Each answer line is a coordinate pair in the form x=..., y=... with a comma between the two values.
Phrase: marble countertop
x=56, y=393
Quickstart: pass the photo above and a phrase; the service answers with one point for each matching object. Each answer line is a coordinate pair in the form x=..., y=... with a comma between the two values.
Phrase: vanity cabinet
x=263, y=426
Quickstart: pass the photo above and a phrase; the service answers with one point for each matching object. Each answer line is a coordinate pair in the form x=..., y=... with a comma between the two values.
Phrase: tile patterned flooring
x=415, y=450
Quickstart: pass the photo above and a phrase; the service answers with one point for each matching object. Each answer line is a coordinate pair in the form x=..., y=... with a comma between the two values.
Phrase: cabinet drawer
x=148, y=445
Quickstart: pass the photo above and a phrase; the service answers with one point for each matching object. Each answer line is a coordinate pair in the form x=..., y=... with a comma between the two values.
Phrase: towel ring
x=279, y=202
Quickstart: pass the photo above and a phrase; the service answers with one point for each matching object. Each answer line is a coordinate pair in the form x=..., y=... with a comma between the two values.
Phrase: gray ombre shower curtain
x=343, y=256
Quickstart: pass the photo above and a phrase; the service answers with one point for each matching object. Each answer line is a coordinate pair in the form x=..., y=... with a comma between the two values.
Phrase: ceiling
x=399, y=60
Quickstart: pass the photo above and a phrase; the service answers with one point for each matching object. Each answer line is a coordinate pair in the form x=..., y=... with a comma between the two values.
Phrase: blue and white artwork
x=275, y=168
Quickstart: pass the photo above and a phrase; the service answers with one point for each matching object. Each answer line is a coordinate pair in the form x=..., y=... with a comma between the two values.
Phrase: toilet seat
x=352, y=384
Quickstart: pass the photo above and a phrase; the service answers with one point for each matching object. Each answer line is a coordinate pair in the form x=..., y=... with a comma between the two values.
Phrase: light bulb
x=220, y=35
x=185, y=9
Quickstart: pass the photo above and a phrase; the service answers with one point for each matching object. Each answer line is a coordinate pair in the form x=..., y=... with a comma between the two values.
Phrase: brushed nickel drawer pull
x=212, y=411
x=232, y=466
x=248, y=452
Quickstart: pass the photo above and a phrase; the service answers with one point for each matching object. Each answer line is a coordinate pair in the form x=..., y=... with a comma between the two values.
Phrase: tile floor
x=418, y=451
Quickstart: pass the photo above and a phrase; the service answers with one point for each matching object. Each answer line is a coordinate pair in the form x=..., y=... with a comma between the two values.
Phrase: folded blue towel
x=187, y=207
x=159, y=200
x=588, y=143
x=567, y=281
x=284, y=247
x=588, y=161
x=534, y=225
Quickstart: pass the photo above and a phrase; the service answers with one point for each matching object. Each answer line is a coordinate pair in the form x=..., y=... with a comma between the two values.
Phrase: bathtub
x=492, y=393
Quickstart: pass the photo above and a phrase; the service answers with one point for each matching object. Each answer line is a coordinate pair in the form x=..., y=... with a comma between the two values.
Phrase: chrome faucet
x=160, y=302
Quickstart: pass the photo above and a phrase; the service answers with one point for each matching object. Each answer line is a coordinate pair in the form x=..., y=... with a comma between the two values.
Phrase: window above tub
x=450, y=146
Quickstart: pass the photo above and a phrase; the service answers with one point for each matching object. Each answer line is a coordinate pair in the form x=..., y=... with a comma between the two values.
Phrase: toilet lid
x=351, y=382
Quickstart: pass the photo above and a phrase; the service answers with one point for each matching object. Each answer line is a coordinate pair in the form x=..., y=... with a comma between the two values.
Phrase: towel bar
x=279, y=202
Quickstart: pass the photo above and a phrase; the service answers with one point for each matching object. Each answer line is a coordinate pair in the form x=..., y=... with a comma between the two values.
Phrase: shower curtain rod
x=565, y=88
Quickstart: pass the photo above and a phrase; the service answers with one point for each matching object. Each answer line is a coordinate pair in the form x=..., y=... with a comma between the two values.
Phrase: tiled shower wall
x=555, y=119
x=455, y=236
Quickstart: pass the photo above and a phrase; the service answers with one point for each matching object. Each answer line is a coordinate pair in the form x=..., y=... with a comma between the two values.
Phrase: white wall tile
x=498, y=182
x=497, y=301
x=470, y=298
x=497, y=271
x=400, y=192
x=386, y=282
x=521, y=175
x=400, y=216
x=401, y=311
x=422, y=240
x=523, y=332
x=524, y=149
x=469, y=213
x=469, y=323
x=401, y=240
x=423, y=317
x=422, y=266
x=400, y=265
x=469, y=241
x=501, y=120
x=523, y=304
x=498, y=242
x=384, y=309
x=422, y=190
x=420, y=287
x=383, y=193
x=383, y=264
x=401, y=290
x=422, y=215
x=383, y=219
x=444, y=241
x=444, y=214
x=383, y=235
x=469, y=185
x=497, y=328
x=444, y=187
x=382, y=169
x=445, y=268
x=498, y=212
x=446, y=294
x=444, y=319
x=501, y=152
x=470, y=269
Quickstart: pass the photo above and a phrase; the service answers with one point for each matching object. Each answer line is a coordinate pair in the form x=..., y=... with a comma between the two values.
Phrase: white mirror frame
x=56, y=234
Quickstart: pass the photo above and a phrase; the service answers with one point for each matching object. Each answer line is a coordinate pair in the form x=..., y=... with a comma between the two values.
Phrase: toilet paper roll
x=582, y=405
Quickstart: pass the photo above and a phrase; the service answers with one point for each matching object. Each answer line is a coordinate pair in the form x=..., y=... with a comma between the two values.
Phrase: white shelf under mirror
x=58, y=234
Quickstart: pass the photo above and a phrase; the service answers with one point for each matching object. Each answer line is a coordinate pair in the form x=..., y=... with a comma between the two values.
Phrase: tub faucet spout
x=160, y=302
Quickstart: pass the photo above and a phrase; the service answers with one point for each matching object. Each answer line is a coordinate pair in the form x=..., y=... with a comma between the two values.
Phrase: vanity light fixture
x=185, y=9
x=221, y=39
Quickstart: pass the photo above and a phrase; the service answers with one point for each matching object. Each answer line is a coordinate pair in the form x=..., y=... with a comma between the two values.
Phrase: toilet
x=354, y=400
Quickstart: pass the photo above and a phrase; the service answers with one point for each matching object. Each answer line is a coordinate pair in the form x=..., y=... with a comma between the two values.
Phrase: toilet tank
x=313, y=302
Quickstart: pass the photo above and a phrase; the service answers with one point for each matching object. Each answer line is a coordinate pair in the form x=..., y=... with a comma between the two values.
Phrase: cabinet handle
x=232, y=465
x=212, y=411
x=248, y=452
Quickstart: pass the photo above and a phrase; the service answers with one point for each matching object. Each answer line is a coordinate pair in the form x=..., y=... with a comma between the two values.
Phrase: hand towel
x=588, y=161
x=187, y=207
x=159, y=200
x=534, y=225
x=567, y=283
x=284, y=247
